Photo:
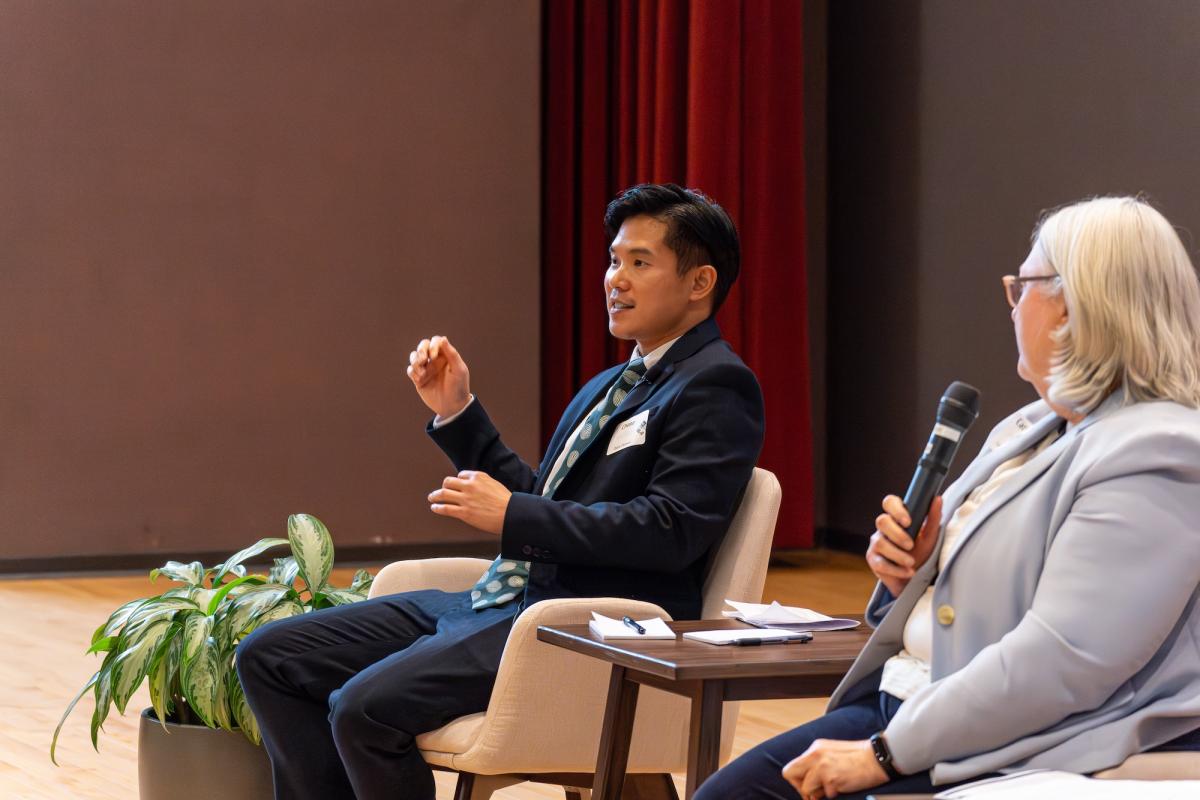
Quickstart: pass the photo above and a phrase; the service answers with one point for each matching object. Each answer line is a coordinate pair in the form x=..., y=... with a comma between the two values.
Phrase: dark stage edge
x=127, y=562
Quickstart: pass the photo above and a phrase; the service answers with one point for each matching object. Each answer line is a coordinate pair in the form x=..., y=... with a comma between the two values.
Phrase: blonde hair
x=1133, y=305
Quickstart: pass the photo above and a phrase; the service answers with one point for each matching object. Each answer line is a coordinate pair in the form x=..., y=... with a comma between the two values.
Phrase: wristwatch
x=883, y=755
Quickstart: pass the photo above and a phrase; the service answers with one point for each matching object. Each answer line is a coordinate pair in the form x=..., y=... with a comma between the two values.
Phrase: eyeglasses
x=1014, y=287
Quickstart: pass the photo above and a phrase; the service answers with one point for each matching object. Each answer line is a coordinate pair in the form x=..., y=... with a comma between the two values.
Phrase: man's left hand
x=476, y=498
x=830, y=767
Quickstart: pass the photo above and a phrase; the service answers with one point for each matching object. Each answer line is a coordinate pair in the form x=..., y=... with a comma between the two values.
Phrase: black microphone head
x=959, y=405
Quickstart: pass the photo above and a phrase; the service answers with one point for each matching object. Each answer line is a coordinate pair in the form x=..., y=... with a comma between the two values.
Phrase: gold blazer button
x=945, y=615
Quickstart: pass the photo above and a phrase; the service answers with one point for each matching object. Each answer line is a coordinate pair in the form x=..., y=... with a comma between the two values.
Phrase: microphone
x=957, y=411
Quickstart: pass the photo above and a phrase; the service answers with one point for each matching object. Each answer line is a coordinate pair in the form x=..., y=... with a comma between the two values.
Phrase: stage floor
x=46, y=624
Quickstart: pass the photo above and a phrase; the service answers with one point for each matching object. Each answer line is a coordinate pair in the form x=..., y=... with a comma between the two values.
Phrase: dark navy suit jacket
x=640, y=522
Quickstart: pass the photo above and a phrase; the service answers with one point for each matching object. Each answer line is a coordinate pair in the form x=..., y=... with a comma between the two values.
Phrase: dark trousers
x=757, y=774
x=341, y=694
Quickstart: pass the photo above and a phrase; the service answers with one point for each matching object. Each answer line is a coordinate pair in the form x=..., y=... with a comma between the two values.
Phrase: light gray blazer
x=1075, y=641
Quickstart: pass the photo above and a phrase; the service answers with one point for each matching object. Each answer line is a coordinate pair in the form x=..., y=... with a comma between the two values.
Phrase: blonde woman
x=1047, y=614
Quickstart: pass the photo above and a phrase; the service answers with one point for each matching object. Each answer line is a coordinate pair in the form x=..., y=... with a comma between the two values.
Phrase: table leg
x=704, y=737
x=614, y=740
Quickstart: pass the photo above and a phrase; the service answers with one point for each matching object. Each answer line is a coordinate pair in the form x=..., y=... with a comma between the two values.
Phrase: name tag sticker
x=629, y=433
x=1014, y=428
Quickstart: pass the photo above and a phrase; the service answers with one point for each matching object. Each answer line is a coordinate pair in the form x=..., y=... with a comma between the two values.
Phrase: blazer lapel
x=688, y=344
x=1028, y=472
x=580, y=407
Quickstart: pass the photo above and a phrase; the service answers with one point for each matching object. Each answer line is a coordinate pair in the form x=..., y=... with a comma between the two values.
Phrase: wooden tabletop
x=830, y=653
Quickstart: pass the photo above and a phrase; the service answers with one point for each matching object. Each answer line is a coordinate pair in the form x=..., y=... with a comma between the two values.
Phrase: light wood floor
x=46, y=623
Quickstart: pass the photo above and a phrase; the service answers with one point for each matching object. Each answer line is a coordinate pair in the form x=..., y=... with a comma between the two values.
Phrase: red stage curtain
x=706, y=94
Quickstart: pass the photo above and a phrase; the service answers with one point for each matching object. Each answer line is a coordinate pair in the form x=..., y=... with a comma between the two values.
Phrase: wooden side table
x=708, y=675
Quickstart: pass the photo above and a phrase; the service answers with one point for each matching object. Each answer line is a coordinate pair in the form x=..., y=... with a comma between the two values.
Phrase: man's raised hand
x=440, y=376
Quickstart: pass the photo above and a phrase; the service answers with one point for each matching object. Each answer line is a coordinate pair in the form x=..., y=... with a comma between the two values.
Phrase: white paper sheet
x=1053, y=785
x=609, y=628
x=789, y=617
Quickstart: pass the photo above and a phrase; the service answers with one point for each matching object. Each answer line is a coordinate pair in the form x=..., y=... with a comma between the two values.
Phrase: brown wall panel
x=222, y=227
x=952, y=125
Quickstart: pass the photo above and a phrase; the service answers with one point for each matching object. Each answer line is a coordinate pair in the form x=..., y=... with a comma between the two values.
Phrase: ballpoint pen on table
x=632, y=624
x=801, y=638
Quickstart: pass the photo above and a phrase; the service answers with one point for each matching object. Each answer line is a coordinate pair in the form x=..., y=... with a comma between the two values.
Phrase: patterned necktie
x=505, y=579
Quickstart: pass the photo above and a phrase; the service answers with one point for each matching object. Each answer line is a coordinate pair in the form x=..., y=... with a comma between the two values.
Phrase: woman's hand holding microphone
x=893, y=555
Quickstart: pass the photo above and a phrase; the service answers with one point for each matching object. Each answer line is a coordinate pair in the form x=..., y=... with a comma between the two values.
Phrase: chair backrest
x=739, y=567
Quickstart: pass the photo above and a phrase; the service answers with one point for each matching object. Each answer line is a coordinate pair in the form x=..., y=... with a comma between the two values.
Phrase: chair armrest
x=447, y=574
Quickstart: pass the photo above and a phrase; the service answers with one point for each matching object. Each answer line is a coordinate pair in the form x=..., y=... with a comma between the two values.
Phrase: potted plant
x=183, y=642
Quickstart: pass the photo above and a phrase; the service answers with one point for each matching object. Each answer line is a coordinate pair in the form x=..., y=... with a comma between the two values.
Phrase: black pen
x=630, y=622
x=802, y=639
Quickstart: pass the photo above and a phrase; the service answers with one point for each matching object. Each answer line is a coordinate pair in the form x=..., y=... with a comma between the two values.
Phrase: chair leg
x=649, y=786
x=481, y=787
x=643, y=786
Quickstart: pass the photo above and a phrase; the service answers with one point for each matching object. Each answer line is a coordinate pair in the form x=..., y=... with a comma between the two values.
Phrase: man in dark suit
x=639, y=483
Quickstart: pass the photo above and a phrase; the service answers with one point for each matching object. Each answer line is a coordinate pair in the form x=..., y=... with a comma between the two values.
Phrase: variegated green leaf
x=252, y=604
x=154, y=609
x=361, y=582
x=54, y=739
x=103, y=696
x=201, y=596
x=162, y=673
x=285, y=609
x=196, y=629
x=198, y=678
x=191, y=574
x=221, y=712
x=241, y=710
x=313, y=549
x=116, y=620
x=134, y=660
x=284, y=571
x=237, y=558
x=341, y=597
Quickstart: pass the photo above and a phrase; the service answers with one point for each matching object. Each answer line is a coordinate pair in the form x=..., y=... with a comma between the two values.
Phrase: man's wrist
x=440, y=419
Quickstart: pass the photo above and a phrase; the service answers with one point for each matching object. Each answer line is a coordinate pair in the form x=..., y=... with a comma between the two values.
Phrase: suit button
x=526, y=550
x=945, y=615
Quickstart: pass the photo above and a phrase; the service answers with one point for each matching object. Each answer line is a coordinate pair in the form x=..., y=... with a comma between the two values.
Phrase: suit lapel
x=580, y=407
x=688, y=344
x=642, y=391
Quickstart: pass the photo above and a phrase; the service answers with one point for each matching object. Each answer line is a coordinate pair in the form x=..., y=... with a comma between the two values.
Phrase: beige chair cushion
x=447, y=574
x=455, y=738
x=1174, y=766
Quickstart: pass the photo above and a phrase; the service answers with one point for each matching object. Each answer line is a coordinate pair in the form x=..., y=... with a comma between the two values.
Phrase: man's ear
x=704, y=282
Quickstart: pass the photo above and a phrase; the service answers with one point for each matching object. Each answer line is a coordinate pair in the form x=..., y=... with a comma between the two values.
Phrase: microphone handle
x=931, y=473
x=926, y=483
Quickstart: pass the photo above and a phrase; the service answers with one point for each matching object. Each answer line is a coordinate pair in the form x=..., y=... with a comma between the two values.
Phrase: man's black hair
x=698, y=230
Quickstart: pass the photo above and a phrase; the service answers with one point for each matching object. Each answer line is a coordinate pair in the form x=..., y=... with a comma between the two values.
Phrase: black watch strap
x=883, y=755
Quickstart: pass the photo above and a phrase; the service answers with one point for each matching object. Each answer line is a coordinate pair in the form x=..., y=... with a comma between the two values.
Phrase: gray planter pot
x=168, y=763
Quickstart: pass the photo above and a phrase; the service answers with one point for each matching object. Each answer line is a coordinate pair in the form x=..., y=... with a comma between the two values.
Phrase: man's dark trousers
x=344, y=692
